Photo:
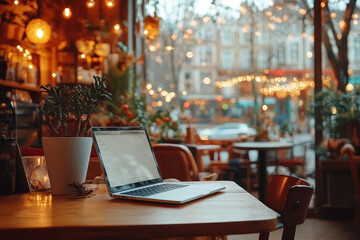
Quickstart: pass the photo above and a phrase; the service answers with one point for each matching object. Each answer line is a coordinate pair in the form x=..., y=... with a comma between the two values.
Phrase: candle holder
x=36, y=172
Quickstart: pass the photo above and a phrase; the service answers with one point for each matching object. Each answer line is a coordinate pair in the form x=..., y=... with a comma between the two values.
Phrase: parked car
x=226, y=131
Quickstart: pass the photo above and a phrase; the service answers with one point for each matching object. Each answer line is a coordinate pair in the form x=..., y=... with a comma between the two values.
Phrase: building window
x=205, y=34
x=226, y=38
x=357, y=48
x=206, y=55
x=245, y=59
x=280, y=54
x=226, y=60
x=264, y=38
x=244, y=38
x=189, y=86
x=263, y=59
x=294, y=52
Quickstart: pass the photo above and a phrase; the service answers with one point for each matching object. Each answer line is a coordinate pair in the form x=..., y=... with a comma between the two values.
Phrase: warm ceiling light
x=38, y=31
x=67, y=13
x=117, y=28
x=16, y=2
x=90, y=3
x=110, y=3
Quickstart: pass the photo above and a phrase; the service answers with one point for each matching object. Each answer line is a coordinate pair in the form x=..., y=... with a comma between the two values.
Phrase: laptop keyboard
x=148, y=191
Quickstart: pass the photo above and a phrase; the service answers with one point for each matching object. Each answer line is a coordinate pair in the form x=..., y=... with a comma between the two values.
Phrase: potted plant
x=14, y=18
x=67, y=112
x=341, y=117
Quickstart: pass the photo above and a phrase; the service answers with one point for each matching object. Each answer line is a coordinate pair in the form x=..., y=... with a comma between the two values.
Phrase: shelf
x=22, y=86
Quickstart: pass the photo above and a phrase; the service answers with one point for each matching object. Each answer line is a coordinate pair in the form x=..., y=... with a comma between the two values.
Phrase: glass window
x=206, y=34
x=357, y=48
x=227, y=60
x=189, y=83
x=206, y=55
x=264, y=38
x=294, y=52
x=245, y=59
x=244, y=37
x=280, y=54
x=263, y=59
x=226, y=38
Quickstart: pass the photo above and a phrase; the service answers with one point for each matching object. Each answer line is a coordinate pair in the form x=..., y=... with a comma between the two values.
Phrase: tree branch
x=331, y=26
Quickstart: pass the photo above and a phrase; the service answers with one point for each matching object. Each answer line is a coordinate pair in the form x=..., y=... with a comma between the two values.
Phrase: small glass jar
x=7, y=166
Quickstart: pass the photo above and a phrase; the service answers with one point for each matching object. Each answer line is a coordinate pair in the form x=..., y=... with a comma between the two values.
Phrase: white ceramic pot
x=67, y=161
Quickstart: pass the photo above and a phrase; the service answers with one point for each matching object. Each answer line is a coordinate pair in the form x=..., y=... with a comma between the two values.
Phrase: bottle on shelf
x=3, y=64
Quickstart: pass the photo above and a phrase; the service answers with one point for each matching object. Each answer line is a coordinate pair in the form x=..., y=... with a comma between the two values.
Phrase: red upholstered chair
x=290, y=197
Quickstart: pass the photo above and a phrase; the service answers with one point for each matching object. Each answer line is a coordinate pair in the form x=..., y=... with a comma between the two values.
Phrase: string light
x=110, y=3
x=90, y=3
x=247, y=78
x=67, y=13
x=117, y=28
x=302, y=11
x=293, y=88
x=189, y=54
x=349, y=87
x=169, y=48
x=206, y=80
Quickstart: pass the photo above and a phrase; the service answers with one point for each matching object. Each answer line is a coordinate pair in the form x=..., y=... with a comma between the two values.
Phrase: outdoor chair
x=290, y=197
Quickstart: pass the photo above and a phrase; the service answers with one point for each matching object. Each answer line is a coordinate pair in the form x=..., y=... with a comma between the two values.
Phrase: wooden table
x=200, y=151
x=262, y=147
x=40, y=215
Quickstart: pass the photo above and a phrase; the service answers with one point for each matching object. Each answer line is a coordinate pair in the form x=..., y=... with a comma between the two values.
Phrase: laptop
x=131, y=171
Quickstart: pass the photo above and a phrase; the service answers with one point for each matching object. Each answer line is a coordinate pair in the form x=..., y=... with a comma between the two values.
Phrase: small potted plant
x=341, y=118
x=14, y=18
x=67, y=112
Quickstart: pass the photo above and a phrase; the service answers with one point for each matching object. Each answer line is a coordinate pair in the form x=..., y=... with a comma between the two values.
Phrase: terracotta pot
x=67, y=160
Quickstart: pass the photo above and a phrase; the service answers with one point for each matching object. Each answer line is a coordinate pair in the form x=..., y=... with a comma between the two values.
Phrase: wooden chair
x=176, y=162
x=354, y=163
x=290, y=197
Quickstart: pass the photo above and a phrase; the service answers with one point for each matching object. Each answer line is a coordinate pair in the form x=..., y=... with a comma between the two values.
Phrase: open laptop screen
x=126, y=156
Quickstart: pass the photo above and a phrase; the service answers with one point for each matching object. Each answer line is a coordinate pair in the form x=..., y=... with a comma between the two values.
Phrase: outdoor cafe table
x=200, y=151
x=39, y=215
x=262, y=147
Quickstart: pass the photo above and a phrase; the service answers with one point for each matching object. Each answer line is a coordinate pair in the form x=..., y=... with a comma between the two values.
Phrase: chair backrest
x=290, y=197
x=354, y=167
x=176, y=161
x=354, y=163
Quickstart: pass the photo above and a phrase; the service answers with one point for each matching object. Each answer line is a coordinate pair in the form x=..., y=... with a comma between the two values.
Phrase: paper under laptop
x=128, y=163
